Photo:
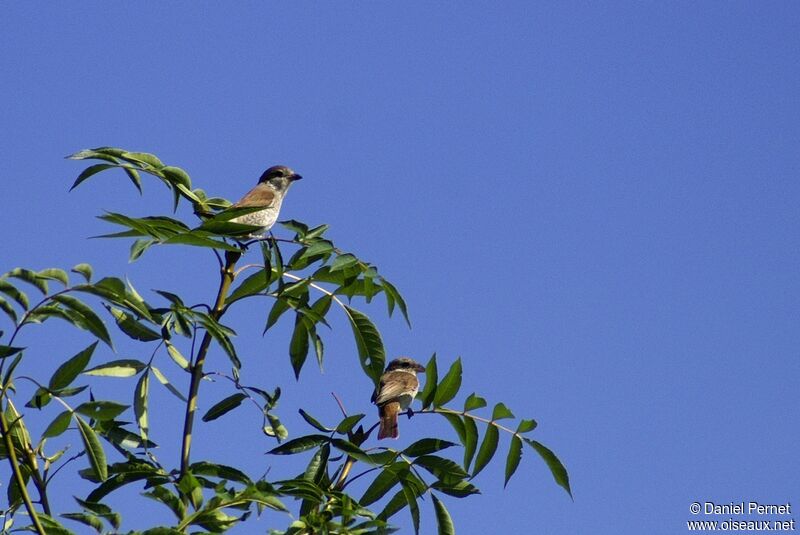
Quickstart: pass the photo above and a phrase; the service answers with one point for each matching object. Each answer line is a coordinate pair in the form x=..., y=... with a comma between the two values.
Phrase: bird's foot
x=409, y=413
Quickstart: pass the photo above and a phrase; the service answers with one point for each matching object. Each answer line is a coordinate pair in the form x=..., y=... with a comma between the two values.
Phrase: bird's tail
x=388, y=415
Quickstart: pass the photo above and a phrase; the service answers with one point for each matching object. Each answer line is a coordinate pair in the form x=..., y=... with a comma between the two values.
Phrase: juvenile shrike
x=396, y=390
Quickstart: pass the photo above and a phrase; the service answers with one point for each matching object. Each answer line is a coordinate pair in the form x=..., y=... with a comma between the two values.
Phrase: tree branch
x=227, y=276
x=12, y=459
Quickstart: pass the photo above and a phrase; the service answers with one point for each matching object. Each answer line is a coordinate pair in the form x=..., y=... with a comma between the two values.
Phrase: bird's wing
x=258, y=196
x=395, y=384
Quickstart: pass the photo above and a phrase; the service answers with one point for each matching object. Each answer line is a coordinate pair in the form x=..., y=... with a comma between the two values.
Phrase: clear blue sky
x=594, y=204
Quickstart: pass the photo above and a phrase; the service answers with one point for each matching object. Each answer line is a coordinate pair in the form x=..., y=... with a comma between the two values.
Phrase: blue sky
x=594, y=205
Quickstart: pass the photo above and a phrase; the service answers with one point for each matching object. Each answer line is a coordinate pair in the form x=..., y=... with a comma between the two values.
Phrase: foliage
x=304, y=276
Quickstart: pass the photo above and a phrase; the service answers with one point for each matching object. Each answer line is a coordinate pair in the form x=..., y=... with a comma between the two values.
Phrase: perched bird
x=269, y=193
x=395, y=392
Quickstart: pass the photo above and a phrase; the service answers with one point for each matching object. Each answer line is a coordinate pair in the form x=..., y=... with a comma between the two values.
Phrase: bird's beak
x=419, y=368
x=295, y=177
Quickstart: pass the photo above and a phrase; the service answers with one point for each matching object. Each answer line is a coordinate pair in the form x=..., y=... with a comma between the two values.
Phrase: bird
x=396, y=390
x=269, y=193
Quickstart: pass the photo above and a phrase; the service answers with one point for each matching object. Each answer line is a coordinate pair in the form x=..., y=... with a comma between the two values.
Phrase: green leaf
x=55, y=274
x=86, y=519
x=176, y=175
x=281, y=305
x=352, y=450
x=10, y=371
x=31, y=277
x=347, y=424
x=52, y=526
x=431, y=378
x=556, y=468
x=298, y=347
x=7, y=351
x=190, y=487
x=221, y=471
x=164, y=381
x=254, y=284
x=40, y=398
x=298, y=445
x=117, y=368
x=140, y=395
x=458, y=425
x=411, y=500
x=221, y=335
x=85, y=270
x=295, y=226
x=163, y=495
x=15, y=294
x=59, y=424
x=89, y=171
x=227, y=404
x=69, y=371
x=512, y=460
x=487, y=449
x=318, y=250
x=459, y=489
x=199, y=240
x=138, y=247
x=368, y=341
x=133, y=175
x=444, y=469
x=133, y=328
x=101, y=410
x=473, y=402
x=526, y=425
x=397, y=502
x=448, y=388
x=392, y=297
x=445, y=523
x=94, y=450
x=143, y=157
x=90, y=320
x=386, y=480
x=8, y=309
x=314, y=422
x=103, y=511
x=125, y=473
x=470, y=440
x=177, y=357
x=501, y=411
x=116, y=434
x=317, y=468
x=426, y=446
x=276, y=428
x=343, y=262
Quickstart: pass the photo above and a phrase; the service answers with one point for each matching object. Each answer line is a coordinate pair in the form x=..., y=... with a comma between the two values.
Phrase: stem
x=468, y=415
x=226, y=278
x=38, y=482
x=12, y=459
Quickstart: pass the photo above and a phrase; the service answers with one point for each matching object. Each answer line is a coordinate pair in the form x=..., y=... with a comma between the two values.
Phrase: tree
x=307, y=276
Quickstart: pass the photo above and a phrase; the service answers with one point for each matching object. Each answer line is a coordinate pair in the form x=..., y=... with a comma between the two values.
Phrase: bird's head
x=279, y=177
x=405, y=364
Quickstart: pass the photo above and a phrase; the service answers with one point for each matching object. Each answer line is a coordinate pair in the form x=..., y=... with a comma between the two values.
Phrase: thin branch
x=12, y=459
x=469, y=415
x=339, y=402
x=65, y=463
x=226, y=279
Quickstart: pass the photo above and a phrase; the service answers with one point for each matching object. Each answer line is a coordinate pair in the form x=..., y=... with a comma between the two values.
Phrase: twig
x=12, y=459
x=339, y=402
x=226, y=279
